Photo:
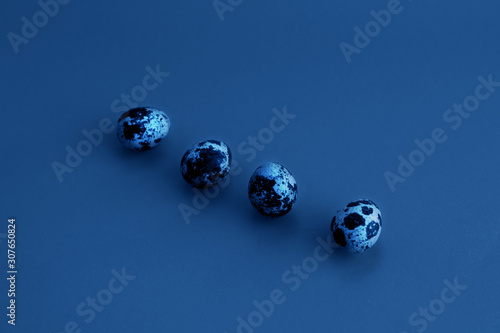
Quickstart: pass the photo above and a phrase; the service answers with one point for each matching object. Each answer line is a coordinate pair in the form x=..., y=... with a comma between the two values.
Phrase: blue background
x=119, y=209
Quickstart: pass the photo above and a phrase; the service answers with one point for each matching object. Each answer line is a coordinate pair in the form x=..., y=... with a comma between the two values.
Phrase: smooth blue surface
x=118, y=209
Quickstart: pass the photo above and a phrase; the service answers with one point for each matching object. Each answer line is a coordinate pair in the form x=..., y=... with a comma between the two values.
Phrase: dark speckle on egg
x=357, y=226
x=339, y=237
x=272, y=190
x=366, y=210
x=353, y=220
x=142, y=128
x=206, y=163
x=372, y=229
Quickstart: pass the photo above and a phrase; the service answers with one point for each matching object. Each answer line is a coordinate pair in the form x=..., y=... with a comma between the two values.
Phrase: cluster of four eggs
x=272, y=189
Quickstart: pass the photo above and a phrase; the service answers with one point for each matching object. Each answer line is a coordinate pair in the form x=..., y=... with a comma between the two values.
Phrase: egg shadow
x=347, y=265
x=287, y=225
x=142, y=159
x=242, y=209
x=255, y=217
x=356, y=267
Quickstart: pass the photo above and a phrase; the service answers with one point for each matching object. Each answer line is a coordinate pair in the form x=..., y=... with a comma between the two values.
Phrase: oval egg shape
x=357, y=227
x=142, y=128
x=272, y=190
x=206, y=163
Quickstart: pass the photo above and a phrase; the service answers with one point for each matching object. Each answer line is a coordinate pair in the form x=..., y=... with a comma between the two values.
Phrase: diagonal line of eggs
x=272, y=189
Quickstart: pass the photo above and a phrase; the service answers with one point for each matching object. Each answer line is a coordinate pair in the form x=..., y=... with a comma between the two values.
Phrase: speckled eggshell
x=272, y=190
x=206, y=163
x=357, y=227
x=142, y=128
